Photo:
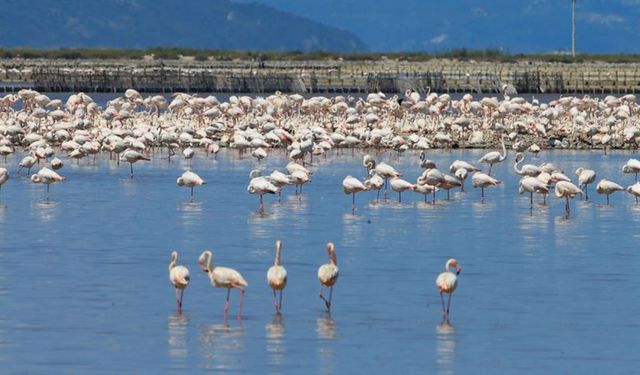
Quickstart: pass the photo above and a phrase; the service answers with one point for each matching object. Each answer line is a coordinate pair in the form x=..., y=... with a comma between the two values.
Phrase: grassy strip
x=166, y=53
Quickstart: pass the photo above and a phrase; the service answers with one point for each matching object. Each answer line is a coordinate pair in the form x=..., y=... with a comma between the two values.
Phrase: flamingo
x=433, y=177
x=277, y=278
x=386, y=171
x=426, y=163
x=527, y=169
x=634, y=190
x=566, y=190
x=374, y=182
x=27, y=162
x=632, y=166
x=448, y=183
x=46, y=176
x=447, y=282
x=585, y=177
x=461, y=174
x=399, y=185
x=132, y=156
x=188, y=154
x=368, y=162
x=56, y=164
x=4, y=176
x=261, y=186
x=299, y=178
x=352, y=185
x=223, y=277
x=481, y=180
x=494, y=157
x=190, y=180
x=179, y=277
x=607, y=187
x=532, y=185
x=328, y=275
x=424, y=189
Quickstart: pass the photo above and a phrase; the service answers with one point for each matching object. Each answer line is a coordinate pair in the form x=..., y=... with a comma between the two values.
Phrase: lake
x=84, y=280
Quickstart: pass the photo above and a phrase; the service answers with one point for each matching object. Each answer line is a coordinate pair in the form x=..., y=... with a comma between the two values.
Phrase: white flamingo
x=532, y=185
x=632, y=166
x=328, y=275
x=566, y=190
x=482, y=181
x=399, y=185
x=447, y=282
x=351, y=185
x=585, y=177
x=190, y=180
x=179, y=278
x=607, y=188
x=132, y=156
x=277, y=278
x=4, y=177
x=261, y=186
x=527, y=169
x=494, y=157
x=46, y=176
x=634, y=190
x=223, y=277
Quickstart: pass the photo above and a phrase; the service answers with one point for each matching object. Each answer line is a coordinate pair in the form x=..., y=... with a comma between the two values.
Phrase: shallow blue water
x=84, y=281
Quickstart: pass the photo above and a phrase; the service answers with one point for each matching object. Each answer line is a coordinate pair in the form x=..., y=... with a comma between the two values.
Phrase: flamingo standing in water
x=494, y=157
x=386, y=171
x=481, y=180
x=277, y=278
x=632, y=166
x=399, y=185
x=447, y=282
x=634, y=190
x=374, y=182
x=46, y=176
x=4, y=176
x=261, y=186
x=352, y=185
x=179, y=278
x=223, y=277
x=190, y=180
x=328, y=275
x=585, y=177
x=566, y=190
x=607, y=187
x=132, y=156
x=532, y=185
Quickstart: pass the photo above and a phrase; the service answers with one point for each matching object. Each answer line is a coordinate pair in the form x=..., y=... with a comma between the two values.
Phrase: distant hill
x=531, y=26
x=211, y=24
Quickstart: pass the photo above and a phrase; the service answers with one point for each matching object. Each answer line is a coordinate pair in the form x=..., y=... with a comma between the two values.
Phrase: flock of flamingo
x=131, y=126
x=229, y=278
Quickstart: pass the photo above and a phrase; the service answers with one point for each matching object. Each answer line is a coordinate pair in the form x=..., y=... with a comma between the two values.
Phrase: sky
x=510, y=25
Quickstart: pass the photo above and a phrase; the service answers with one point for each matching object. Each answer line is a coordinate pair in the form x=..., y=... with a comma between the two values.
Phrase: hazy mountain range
x=335, y=25
x=213, y=24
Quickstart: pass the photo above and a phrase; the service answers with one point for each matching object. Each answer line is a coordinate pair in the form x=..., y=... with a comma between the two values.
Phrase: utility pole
x=573, y=31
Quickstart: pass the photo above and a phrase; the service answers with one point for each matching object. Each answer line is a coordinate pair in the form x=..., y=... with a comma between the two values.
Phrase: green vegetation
x=166, y=53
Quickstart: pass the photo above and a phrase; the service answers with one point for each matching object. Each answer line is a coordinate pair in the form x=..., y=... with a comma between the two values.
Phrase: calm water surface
x=84, y=281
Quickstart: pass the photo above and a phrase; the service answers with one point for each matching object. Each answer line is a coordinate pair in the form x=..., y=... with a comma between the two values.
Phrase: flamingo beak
x=458, y=270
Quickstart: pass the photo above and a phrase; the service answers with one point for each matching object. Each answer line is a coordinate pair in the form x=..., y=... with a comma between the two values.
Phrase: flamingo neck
x=209, y=262
x=448, y=266
x=504, y=149
x=277, y=261
x=174, y=260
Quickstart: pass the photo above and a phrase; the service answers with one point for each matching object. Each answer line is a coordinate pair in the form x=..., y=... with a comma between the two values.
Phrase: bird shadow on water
x=221, y=345
x=445, y=347
x=46, y=210
x=178, y=323
x=275, y=339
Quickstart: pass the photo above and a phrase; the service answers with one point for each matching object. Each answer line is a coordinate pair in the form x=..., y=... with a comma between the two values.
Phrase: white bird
x=386, y=171
x=585, y=177
x=494, y=157
x=399, y=185
x=424, y=189
x=190, y=180
x=132, y=156
x=56, y=164
x=27, y=162
x=328, y=275
x=299, y=178
x=188, y=154
x=461, y=164
x=259, y=153
x=179, y=278
x=4, y=176
x=447, y=282
x=608, y=187
x=261, y=186
x=46, y=176
x=223, y=277
x=351, y=185
x=461, y=174
x=527, y=169
x=532, y=185
x=481, y=180
x=566, y=190
x=634, y=190
x=632, y=166
x=277, y=278
x=374, y=182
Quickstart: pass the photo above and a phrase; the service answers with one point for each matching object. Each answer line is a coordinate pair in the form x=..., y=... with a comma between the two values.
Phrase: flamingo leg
x=399, y=197
x=448, y=194
x=192, y=194
x=490, y=167
x=531, y=200
x=607, y=199
x=275, y=303
x=280, y=302
x=462, y=186
x=353, y=203
x=449, y=305
x=261, y=205
x=444, y=312
x=226, y=305
x=241, y=302
x=481, y=194
x=586, y=193
x=433, y=199
x=327, y=303
x=131, y=165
